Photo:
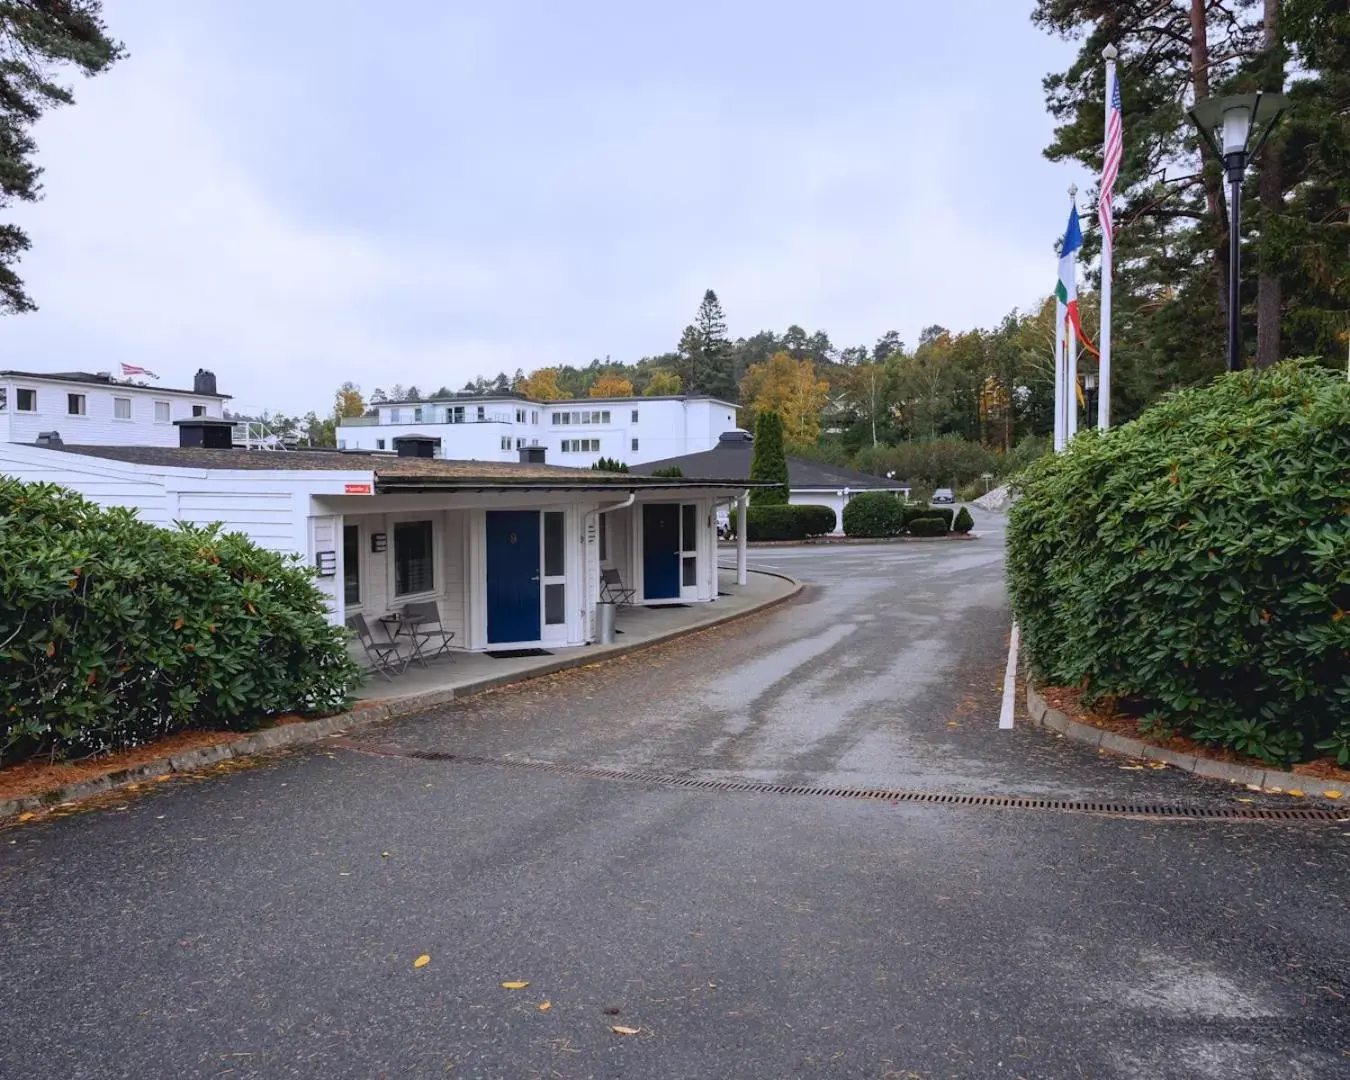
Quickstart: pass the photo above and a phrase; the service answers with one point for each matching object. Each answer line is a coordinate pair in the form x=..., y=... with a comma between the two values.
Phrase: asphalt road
x=265, y=922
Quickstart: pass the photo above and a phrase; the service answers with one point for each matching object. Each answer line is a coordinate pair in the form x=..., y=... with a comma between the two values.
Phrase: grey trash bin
x=604, y=622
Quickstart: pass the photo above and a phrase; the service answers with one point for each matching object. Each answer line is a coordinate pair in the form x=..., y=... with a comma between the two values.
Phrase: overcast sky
x=297, y=193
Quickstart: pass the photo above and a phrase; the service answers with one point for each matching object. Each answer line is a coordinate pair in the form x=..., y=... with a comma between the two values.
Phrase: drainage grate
x=886, y=795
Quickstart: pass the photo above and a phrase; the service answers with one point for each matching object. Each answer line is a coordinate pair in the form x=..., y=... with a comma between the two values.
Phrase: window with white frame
x=520, y=416
x=417, y=414
x=534, y=416
x=121, y=408
x=4, y=399
x=520, y=443
x=162, y=412
x=25, y=400
x=506, y=442
x=635, y=412
x=634, y=446
x=199, y=410
x=455, y=415
x=379, y=444
x=75, y=404
x=414, y=570
x=581, y=446
x=482, y=412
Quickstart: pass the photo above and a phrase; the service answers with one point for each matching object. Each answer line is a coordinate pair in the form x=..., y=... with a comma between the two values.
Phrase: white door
x=689, y=530
x=553, y=577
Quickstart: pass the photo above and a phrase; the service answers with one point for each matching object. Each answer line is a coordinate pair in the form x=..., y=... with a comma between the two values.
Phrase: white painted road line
x=1005, y=716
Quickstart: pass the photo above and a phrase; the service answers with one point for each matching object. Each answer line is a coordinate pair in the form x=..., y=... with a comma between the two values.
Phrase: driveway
x=582, y=834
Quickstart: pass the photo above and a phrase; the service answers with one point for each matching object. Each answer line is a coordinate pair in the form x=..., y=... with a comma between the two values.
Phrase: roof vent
x=49, y=440
x=532, y=455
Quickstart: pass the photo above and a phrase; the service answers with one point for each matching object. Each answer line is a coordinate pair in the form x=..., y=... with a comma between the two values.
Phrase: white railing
x=253, y=435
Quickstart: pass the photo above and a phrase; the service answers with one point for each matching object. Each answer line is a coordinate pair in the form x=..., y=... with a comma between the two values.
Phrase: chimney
x=532, y=455
x=421, y=446
x=49, y=440
x=204, y=383
x=205, y=433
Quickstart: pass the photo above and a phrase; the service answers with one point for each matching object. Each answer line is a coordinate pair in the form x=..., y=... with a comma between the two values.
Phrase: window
x=482, y=413
x=455, y=415
x=75, y=404
x=413, y=570
x=604, y=417
x=689, y=545
x=161, y=412
x=351, y=565
x=199, y=410
x=635, y=416
x=121, y=408
x=520, y=443
x=634, y=446
x=555, y=586
x=25, y=400
x=604, y=537
x=534, y=416
x=4, y=399
x=581, y=446
x=379, y=444
x=520, y=416
x=506, y=442
x=417, y=414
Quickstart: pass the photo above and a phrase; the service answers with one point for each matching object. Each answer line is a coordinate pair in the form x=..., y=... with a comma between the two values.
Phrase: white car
x=942, y=495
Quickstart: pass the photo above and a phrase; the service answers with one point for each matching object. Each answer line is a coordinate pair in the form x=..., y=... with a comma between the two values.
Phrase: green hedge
x=114, y=632
x=874, y=514
x=921, y=510
x=787, y=522
x=964, y=522
x=928, y=526
x=1196, y=562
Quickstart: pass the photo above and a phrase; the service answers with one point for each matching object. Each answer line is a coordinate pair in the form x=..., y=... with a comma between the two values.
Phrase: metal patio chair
x=384, y=656
x=612, y=590
x=424, y=626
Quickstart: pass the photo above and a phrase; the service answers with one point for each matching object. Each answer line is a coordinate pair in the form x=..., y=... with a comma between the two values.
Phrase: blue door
x=660, y=551
x=512, y=575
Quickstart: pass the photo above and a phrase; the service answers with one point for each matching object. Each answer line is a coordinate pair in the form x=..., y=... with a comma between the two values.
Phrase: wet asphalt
x=265, y=922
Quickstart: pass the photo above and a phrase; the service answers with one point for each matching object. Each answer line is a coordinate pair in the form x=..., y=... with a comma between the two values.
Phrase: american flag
x=132, y=369
x=1111, y=163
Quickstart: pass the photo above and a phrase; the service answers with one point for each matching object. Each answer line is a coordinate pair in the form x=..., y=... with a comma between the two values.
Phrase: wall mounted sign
x=379, y=542
x=358, y=489
x=326, y=562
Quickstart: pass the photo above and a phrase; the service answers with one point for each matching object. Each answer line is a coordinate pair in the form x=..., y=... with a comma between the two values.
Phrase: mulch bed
x=37, y=775
x=1069, y=702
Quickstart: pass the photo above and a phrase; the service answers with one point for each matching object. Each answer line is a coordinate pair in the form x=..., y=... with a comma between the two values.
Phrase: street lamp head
x=1109, y=53
x=1237, y=124
x=1090, y=382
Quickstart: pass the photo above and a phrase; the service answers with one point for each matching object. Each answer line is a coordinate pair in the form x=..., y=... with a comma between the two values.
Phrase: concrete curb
x=833, y=541
x=367, y=713
x=1271, y=779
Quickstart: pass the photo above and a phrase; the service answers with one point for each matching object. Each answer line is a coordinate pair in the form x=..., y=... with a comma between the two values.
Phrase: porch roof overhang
x=406, y=485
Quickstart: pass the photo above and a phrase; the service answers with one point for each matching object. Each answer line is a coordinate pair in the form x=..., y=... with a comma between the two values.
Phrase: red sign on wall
x=357, y=489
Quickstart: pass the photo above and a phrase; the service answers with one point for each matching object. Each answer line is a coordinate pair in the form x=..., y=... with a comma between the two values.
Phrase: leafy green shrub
x=769, y=462
x=918, y=510
x=613, y=465
x=788, y=522
x=113, y=631
x=668, y=471
x=964, y=522
x=943, y=462
x=1197, y=561
x=873, y=514
x=928, y=526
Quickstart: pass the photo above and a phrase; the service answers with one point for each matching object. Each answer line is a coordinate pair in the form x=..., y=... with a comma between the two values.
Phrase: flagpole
x=1071, y=366
x=1059, y=375
x=1108, y=252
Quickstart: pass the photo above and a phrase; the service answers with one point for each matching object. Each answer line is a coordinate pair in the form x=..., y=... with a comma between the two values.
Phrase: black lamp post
x=1228, y=125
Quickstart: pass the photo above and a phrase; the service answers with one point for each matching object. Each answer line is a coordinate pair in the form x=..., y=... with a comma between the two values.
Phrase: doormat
x=511, y=654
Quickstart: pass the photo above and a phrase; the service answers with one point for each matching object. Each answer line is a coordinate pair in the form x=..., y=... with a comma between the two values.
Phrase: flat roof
x=91, y=378
x=392, y=473
x=514, y=398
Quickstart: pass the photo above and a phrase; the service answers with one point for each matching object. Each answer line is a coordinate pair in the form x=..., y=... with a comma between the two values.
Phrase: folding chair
x=612, y=589
x=423, y=620
x=383, y=655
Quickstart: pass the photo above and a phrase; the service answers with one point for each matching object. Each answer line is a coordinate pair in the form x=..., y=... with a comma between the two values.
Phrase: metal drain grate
x=886, y=795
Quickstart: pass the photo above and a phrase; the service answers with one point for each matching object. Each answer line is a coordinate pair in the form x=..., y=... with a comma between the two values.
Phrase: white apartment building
x=93, y=409
x=576, y=432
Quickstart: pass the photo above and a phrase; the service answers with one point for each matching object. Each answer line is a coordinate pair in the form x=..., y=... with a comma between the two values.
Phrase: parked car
x=943, y=495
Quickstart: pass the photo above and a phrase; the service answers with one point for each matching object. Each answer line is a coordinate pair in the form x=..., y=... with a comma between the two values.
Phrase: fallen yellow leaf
x=165, y=776
x=1275, y=790
x=514, y=985
x=1244, y=800
x=619, y=1029
x=1295, y=792
x=27, y=816
x=384, y=854
x=1132, y=768
x=544, y=1006
x=422, y=961
x=1332, y=793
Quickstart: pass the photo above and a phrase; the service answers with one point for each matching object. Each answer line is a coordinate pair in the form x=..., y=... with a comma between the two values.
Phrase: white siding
x=103, y=482
x=98, y=426
x=266, y=517
x=325, y=534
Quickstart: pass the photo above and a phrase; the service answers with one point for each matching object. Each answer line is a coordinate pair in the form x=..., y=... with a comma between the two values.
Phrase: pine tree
x=715, y=373
x=769, y=461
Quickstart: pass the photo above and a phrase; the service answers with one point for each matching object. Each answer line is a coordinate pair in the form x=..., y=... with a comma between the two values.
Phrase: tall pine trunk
x=1213, y=175
x=1269, y=299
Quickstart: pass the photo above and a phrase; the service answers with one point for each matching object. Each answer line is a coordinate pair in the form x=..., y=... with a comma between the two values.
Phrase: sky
x=297, y=194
